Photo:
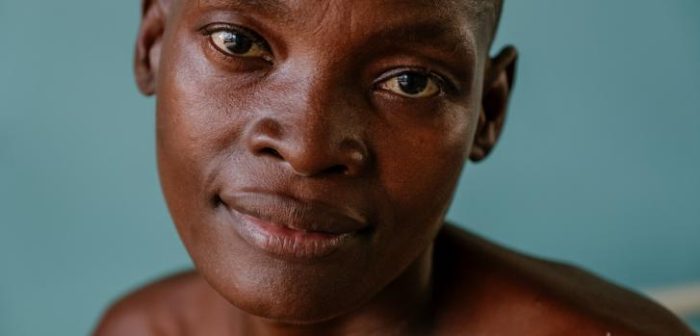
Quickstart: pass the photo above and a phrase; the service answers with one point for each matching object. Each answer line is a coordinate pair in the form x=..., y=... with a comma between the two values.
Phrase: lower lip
x=287, y=243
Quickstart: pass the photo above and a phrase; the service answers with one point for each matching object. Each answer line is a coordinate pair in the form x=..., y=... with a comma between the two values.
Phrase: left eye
x=412, y=85
x=239, y=44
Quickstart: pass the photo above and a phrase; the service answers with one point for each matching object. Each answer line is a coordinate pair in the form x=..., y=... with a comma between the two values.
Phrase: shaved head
x=488, y=14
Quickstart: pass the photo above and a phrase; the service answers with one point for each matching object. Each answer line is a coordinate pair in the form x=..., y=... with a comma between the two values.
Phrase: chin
x=299, y=311
x=275, y=288
x=293, y=293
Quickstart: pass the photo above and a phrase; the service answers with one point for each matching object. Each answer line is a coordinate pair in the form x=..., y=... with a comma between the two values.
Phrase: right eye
x=239, y=44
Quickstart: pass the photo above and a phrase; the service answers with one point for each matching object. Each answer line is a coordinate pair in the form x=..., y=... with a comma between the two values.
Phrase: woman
x=308, y=152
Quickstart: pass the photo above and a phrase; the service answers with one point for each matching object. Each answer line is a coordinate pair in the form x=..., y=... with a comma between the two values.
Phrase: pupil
x=238, y=43
x=413, y=83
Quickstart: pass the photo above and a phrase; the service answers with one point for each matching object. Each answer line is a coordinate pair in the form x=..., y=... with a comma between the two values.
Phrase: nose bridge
x=317, y=129
x=317, y=111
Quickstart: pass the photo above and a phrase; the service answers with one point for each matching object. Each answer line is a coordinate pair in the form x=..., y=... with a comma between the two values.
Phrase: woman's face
x=308, y=150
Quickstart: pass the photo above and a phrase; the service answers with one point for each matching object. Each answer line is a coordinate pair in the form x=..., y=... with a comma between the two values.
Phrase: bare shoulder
x=540, y=297
x=162, y=307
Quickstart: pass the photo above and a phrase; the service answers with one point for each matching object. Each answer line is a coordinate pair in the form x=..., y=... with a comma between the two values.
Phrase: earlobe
x=498, y=84
x=148, y=44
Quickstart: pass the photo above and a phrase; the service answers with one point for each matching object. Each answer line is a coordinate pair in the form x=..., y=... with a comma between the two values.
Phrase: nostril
x=216, y=201
x=336, y=170
x=271, y=152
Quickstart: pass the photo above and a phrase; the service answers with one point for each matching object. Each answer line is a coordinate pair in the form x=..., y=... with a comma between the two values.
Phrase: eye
x=240, y=44
x=412, y=84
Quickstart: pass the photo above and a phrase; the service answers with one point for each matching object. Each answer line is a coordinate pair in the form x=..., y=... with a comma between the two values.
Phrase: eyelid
x=212, y=28
x=445, y=85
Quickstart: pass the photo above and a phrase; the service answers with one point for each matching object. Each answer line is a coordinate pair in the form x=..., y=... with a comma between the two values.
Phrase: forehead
x=466, y=19
x=281, y=6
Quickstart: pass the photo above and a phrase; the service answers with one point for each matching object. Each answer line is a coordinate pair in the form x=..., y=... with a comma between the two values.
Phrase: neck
x=402, y=308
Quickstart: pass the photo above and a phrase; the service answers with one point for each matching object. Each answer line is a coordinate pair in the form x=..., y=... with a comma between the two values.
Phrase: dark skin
x=308, y=152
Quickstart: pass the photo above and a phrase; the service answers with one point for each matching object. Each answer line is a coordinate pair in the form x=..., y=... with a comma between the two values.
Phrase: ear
x=498, y=84
x=148, y=44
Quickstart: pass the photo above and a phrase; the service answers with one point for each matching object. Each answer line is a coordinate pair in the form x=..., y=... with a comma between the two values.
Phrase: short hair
x=498, y=9
x=490, y=11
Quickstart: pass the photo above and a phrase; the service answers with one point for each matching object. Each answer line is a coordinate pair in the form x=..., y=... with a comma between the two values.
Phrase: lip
x=289, y=228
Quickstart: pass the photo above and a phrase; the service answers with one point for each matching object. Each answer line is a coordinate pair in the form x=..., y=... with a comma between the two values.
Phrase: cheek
x=419, y=168
x=198, y=126
x=420, y=165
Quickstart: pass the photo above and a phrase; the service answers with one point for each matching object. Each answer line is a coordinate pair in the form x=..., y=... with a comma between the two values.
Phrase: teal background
x=598, y=165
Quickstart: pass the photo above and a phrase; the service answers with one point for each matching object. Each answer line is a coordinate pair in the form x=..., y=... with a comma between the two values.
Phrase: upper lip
x=307, y=215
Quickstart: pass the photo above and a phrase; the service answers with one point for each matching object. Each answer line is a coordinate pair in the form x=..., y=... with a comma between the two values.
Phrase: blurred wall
x=598, y=165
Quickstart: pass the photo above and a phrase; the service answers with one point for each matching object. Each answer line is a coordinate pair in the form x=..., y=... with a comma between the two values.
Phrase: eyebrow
x=275, y=8
x=440, y=37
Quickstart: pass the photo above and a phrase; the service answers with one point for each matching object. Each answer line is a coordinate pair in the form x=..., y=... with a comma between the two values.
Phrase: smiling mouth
x=290, y=229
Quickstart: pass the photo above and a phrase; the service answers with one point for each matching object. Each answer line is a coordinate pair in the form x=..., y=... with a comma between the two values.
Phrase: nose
x=310, y=141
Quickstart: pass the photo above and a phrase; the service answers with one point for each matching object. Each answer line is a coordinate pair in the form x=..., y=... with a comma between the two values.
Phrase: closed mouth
x=292, y=229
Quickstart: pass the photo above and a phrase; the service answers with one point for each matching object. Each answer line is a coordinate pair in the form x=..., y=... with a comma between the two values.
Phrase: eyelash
x=444, y=84
x=213, y=28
